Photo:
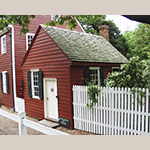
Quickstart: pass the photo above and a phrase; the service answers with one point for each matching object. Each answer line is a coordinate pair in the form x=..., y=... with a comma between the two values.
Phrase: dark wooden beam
x=139, y=18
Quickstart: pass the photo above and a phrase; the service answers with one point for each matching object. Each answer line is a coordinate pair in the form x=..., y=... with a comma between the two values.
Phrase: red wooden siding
x=5, y=65
x=20, y=46
x=77, y=75
x=50, y=59
x=77, y=72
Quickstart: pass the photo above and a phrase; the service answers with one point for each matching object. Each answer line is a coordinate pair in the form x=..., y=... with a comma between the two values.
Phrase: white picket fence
x=116, y=113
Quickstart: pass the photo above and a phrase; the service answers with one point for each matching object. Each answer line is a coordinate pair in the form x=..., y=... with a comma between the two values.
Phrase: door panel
x=51, y=100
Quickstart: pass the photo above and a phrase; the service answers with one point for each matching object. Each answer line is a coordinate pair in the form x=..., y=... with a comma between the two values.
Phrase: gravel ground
x=9, y=127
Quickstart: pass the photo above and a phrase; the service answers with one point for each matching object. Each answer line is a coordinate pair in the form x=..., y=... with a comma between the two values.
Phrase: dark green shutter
x=29, y=84
x=2, y=82
x=40, y=84
x=7, y=83
x=87, y=76
x=102, y=77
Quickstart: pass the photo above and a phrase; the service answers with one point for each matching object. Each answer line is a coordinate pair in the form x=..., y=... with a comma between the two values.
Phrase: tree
x=90, y=23
x=22, y=20
x=130, y=40
x=116, y=38
x=60, y=20
x=138, y=41
x=142, y=41
x=134, y=74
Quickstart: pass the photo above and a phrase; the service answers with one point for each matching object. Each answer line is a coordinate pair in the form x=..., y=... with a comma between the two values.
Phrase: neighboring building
x=56, y=60
x=13, y=48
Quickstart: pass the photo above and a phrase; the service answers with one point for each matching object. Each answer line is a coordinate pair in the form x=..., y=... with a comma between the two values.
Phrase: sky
x=123, y=23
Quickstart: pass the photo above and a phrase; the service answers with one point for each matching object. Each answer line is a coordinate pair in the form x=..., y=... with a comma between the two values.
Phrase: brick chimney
x=104, y=31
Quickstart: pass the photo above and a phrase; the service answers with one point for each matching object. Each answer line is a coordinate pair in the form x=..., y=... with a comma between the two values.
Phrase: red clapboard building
x=56, y=60
x=12, y=50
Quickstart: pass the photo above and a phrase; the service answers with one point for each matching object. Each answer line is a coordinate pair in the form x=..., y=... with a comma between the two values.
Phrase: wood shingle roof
x=83, y=47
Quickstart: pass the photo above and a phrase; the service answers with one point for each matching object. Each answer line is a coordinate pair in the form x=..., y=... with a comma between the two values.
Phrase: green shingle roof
x=83, y=47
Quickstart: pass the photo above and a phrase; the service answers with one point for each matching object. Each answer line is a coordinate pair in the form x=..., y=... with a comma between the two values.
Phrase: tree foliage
x=133, y=74
x=136, y=73
x=22, y=20
x=60, y=20
x=139, y=41
x=90, y=23
x=129, y=36
x=116, y=38
x=142, y=41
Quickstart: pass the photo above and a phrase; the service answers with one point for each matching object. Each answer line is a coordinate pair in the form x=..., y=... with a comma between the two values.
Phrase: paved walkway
x=10, y=127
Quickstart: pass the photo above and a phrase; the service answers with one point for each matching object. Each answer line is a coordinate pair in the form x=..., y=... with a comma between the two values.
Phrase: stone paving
x=10, y=127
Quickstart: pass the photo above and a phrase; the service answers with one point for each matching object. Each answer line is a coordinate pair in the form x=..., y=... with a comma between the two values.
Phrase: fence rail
x=116, y=113
x=24, y=123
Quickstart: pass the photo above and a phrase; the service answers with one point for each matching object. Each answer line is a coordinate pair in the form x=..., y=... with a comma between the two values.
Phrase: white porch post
x=22, y=128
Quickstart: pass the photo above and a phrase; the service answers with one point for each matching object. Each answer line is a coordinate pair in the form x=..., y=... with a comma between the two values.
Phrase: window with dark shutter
x=29, y=84
x=40, y=84
x=7, y=83
x=35, y=84
x=2, y=82
x=87, y=76
x=22, y=84
x=102, y=77
x=93, y=75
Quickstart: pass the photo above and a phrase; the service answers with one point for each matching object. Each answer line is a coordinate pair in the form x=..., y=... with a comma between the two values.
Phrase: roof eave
x=5, y=31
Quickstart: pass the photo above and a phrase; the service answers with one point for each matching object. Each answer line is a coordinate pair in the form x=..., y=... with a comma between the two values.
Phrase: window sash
x=4, y=81
x=3, y=44
x=29, y=38
x=95, y=75
x=35, y=83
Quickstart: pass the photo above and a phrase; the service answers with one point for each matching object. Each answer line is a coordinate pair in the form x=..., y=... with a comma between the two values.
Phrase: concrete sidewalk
x=10, y=127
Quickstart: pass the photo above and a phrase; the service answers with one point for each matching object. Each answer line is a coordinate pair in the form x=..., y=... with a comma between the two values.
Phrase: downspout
x=10, y=34
x=13, y=65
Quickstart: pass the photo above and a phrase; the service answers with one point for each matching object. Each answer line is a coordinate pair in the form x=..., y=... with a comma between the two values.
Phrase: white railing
x=24, y=123
x=116, y=113
x=19, y=105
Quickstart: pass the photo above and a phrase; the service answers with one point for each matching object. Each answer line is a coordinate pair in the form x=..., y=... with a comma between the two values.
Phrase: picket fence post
x=22, y=128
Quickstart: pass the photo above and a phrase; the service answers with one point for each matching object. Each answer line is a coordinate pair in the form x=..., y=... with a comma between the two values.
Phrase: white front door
x=50, y=98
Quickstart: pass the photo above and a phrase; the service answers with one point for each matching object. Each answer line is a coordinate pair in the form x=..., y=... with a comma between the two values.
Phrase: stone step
x=48, y=123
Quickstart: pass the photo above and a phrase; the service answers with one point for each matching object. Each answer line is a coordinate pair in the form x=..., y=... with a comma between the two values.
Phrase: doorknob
x=56, y=96
x=47, y=98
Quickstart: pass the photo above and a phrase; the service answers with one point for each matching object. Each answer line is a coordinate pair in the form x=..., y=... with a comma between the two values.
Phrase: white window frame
x=53, y=16
x=114, y=68
x=4, y=81
x=28, y=34
x=2, y=44
x=32, y=84
x=98, y=72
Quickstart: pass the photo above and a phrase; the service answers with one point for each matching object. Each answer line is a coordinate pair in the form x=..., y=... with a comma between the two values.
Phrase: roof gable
x=83, y=47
